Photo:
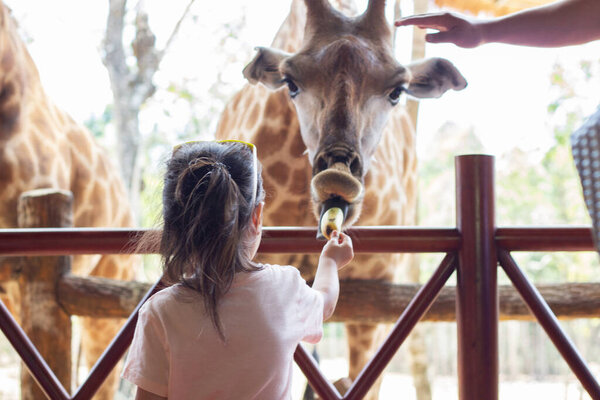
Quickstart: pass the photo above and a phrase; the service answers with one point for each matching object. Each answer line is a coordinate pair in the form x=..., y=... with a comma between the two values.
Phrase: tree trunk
x=131, y=85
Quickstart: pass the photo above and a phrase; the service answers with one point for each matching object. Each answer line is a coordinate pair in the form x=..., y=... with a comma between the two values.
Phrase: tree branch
x=114, y=53
x=175, y=31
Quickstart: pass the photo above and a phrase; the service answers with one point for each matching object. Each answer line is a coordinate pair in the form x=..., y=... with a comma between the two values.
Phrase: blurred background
x=521, y=105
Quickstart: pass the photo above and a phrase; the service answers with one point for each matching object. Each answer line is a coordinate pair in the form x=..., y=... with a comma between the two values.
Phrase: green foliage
x=97, y=123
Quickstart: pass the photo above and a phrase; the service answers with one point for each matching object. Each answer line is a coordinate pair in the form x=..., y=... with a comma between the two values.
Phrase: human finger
x=425, y=21
x=333, y=240
x=439, y=37
x=345, y=240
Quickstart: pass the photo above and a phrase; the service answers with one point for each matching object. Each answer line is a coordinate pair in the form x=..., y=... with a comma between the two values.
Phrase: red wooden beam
x=113, y=352
x=476, y=283
x=32, y=359
x=571, y=238
x=405, y=324
x=45, y=242
x=57, y=241
x=549, y=322
x=313, y=374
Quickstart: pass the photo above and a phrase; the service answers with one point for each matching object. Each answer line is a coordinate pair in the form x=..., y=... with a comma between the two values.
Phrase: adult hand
x=453, y=28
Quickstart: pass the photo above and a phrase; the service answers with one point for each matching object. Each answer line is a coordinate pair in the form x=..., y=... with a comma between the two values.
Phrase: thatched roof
x=489, y=7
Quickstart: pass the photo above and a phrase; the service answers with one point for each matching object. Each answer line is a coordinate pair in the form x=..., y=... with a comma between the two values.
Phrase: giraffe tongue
x=332, y=217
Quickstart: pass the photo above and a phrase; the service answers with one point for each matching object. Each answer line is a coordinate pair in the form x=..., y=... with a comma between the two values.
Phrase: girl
x=227, y=328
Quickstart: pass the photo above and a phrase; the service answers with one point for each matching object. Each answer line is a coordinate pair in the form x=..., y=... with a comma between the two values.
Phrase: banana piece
x=332, y=220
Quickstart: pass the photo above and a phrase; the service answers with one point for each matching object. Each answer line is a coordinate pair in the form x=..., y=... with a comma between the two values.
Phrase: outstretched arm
x=562, y=23
x=335, y=255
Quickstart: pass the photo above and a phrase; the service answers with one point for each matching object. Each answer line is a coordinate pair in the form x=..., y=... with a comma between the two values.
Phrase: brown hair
x=206, y=212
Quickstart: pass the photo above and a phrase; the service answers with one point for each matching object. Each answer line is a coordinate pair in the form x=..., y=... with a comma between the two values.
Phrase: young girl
x=227, y=328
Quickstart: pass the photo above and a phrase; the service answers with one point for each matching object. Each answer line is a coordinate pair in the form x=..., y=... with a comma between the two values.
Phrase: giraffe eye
x=394, y=95
x=292, y=87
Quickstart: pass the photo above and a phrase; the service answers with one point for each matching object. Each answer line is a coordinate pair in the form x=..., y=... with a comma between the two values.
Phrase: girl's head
x=211, y=210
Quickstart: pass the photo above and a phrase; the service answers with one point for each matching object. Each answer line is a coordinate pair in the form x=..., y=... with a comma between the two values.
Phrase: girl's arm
x=335, y=255
x=144, y=395
x=562, y=23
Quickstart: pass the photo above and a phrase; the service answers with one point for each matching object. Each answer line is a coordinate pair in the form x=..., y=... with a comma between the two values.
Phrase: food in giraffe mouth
x=332, y=218
x=336, y=193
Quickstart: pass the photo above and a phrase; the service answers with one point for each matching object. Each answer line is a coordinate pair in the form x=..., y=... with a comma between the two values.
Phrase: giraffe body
x=336, y=117
x=42, y=147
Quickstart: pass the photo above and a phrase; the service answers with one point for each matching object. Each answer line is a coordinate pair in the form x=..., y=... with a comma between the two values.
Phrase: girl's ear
x=257, y=216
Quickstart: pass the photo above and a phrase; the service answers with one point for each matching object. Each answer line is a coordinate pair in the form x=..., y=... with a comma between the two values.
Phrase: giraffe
x=43, y=147
x=324, y=122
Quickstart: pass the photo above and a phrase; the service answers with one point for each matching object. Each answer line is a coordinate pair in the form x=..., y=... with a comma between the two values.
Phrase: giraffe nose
x=338, y=156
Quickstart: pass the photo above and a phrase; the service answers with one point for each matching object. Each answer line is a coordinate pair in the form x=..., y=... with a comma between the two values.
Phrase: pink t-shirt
x=177, y=353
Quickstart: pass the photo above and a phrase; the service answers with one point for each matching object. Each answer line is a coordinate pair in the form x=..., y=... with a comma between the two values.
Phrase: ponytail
x=206, y=213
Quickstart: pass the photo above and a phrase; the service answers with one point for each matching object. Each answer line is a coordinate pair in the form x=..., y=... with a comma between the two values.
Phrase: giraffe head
x=344, y=82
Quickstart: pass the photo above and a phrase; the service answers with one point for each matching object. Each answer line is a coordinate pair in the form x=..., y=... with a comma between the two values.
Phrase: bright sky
x=505, y=101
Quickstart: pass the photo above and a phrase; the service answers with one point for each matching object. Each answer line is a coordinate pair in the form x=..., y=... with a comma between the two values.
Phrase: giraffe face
x=344, y=82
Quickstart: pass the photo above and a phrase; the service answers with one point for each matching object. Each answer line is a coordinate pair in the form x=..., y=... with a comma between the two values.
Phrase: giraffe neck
x=290, y=35
x=19, y=75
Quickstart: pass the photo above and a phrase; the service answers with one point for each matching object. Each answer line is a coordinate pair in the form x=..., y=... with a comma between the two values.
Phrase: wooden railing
x=473, y=249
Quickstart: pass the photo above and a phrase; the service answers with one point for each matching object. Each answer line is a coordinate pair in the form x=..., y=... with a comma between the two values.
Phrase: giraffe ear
x=433, y=77
x=264, y=67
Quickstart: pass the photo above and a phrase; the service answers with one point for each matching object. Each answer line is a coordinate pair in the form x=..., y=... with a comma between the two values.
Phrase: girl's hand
x=453, y=28
x=339, y=249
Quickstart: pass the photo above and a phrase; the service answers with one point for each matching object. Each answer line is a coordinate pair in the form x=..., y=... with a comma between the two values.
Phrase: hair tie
x=219, y=164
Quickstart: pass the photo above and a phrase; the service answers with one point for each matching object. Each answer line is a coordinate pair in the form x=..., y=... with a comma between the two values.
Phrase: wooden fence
x=473, y=249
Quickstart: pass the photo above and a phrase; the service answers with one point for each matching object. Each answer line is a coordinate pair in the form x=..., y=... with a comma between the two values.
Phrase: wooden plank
x=360, y=301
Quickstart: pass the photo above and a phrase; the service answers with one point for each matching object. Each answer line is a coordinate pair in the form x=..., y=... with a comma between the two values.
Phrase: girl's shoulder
x=280, y=270
x=163, y=299
x=268, y=273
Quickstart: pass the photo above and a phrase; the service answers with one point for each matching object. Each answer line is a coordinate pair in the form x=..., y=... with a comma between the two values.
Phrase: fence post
x=43, y=320
x=477, y=291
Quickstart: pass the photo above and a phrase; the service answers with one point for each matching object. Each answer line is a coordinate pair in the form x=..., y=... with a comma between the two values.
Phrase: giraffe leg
x=9, y=285
x=10, y=296
x=419, y=363
x=363, y=342
x=97, y=333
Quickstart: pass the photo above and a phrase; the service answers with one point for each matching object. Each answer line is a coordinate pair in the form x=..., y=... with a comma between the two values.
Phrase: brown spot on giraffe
x=297, y=146
x=274, y=106
x=280, y=172
x=42, y=147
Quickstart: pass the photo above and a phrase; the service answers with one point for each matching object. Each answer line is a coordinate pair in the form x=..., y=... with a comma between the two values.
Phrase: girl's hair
x=207, y=212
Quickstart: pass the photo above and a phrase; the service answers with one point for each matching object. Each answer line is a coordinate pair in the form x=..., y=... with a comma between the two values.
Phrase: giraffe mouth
x=336, y=185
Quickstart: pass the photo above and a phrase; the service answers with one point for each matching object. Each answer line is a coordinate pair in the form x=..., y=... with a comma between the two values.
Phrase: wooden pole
x=477, y=291
x=46, y=324
x=549, y=322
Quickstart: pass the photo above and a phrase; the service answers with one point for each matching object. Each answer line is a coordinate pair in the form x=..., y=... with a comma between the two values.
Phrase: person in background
x=227, y=327
x=557, y=24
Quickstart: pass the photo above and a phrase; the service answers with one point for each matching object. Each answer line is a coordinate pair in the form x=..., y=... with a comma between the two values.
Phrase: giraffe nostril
x=327, y=158
x=320, y=164
x=356, y=166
